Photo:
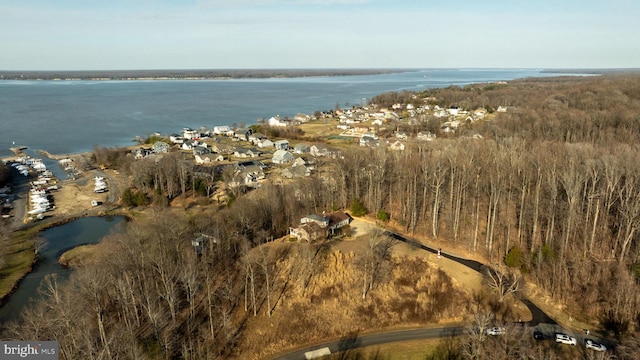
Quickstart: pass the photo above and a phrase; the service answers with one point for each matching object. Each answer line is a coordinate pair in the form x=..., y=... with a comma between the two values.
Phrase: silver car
x=594, y=345
x=495, y=331
x=566, y=339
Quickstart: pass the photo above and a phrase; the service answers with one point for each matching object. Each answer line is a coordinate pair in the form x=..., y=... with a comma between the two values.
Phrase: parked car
x=495, y=331
x=590, y=344
x=566, y=339
x=539, y=335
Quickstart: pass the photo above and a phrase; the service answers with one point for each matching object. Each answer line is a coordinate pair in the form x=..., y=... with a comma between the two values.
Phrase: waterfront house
x=221, y=130
x=160, y=147
x=189, y=133
x=176, y=139
x=276, y=121
x=302, y=118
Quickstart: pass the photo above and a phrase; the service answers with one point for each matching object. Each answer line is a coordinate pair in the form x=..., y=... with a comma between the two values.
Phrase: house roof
x=282, y=155
x=295, y=171
x=338, y=216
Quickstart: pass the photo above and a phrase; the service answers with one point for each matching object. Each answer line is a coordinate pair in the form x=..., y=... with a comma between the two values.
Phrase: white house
x=221, y=130
x=282, y=157
x=276, y=121
x=176, y=139
x=282, y=145
x=319, y=150
x=188, y=133
x=266, y=143
x=301, y=148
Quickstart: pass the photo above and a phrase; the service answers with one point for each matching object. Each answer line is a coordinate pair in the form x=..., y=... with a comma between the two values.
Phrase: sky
x=279, y=34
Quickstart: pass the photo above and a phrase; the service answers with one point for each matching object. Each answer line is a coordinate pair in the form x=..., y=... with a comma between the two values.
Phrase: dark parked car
x=539, y=335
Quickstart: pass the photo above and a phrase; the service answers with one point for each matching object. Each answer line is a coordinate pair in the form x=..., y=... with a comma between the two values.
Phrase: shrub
x=383, y=215
x=357, y=209
x=133, y=198
x=514, y=258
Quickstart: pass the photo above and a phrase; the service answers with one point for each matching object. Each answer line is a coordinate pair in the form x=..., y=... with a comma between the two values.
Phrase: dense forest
x=550, y=189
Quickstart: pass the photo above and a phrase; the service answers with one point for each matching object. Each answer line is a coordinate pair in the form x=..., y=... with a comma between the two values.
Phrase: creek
x=57, y=240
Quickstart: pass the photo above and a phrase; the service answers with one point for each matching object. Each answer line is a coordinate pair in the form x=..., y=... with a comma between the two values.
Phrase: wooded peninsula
x=231, y=257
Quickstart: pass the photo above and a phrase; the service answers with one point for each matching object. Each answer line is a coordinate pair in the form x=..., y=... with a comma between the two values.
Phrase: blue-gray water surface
x=64, y=117
x=57, y=240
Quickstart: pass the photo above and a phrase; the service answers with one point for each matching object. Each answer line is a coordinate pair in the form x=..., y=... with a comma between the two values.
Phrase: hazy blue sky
x=208, y=34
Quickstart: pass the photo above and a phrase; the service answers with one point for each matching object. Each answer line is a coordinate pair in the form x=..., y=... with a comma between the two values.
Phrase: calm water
x=58, y=240
x=73, y=116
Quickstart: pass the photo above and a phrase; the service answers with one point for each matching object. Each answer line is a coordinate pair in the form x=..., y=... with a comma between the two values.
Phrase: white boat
x=38, y=199
x=39, y=166
x=37, y=211
x=94, y=203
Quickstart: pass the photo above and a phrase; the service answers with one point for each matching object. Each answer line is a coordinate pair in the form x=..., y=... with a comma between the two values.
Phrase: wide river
x=72, y=116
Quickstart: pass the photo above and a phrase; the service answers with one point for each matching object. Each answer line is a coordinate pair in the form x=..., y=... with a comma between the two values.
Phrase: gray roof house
x=301, y=148
x=296, y=171
x=243, y=152
x=319, y=150
x=282, y=157
x=160, y=147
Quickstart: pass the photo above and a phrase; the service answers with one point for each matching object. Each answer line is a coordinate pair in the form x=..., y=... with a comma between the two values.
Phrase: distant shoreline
x=222, y=74
x=227, y=74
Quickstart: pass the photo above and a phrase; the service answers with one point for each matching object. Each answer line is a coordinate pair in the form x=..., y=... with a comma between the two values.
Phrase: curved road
x=353, y=342
x=538, y=316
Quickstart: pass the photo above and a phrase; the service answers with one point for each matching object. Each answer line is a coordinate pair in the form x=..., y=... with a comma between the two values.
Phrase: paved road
x=358, y=341
x=539, y=318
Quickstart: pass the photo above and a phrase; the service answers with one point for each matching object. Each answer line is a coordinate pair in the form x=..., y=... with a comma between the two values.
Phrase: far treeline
x=548, y=189
x=187, y=74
